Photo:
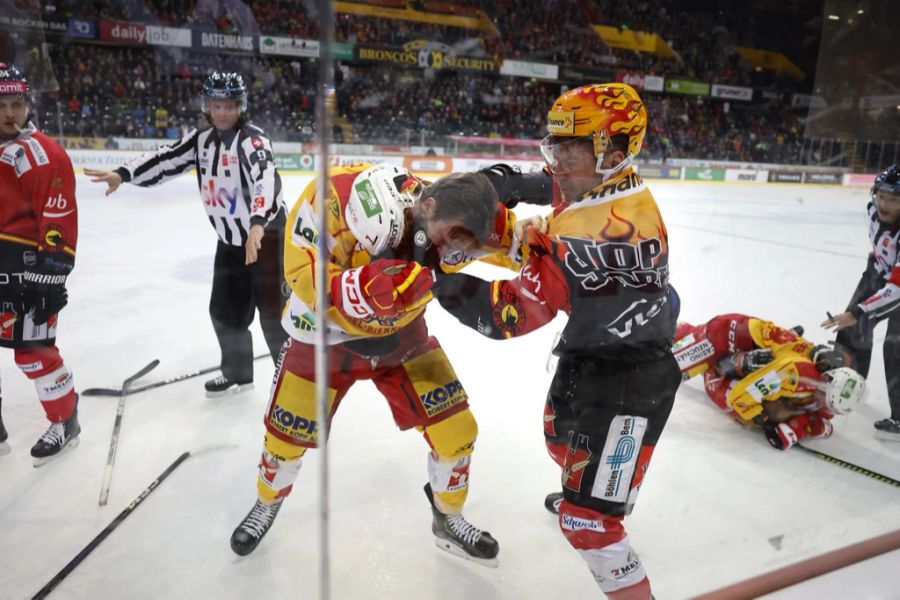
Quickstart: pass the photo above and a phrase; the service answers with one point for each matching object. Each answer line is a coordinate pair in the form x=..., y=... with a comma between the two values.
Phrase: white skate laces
x=260, y=518
x=55, y=434
x=464, y=530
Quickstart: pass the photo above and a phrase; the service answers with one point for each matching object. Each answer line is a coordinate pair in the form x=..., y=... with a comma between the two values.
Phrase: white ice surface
x=718, y=505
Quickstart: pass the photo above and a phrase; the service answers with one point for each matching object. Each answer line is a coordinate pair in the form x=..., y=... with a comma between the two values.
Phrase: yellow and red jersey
x=301, y=257
x=791, y=374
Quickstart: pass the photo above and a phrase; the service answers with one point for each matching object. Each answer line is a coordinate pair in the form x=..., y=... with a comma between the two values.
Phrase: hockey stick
x=842, y=463
x=114, y=441
x=92, y=545
x=155, y=384
x=108, y=529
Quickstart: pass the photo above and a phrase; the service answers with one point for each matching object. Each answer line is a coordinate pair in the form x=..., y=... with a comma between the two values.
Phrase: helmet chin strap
x=608, y=173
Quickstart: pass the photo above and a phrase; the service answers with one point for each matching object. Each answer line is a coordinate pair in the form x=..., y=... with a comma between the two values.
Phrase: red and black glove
x=382, y=288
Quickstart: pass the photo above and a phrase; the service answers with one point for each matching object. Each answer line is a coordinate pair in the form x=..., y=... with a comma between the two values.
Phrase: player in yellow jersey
x=603, y=260
x=769, y=377
x=385, y=234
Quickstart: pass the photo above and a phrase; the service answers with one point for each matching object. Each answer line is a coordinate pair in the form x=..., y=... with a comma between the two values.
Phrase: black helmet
x=889, y=180
x=225, y=85
x=12, y=81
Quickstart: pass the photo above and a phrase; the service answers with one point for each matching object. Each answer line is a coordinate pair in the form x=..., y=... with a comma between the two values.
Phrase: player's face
x=449, y=235
x=888, y=206
x=223, y=113
x=13, y=113
x=573, y=165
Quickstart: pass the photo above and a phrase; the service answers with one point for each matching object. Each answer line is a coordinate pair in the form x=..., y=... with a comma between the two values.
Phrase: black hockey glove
x=513, y=186
x=740, y=364
x=44, y=291
x=828, y=358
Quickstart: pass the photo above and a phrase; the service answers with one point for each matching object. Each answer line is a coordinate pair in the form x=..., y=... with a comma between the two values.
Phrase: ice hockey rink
x=718, y=506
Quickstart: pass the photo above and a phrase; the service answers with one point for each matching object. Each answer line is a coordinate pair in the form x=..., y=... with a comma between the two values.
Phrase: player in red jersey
x=38, y=231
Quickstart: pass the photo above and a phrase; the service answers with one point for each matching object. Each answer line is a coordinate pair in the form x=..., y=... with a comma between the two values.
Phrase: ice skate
x=59, y=437
x=887, y=430
x=457, y=536
x=220, y=386
x=250, y=532
x=552, y=502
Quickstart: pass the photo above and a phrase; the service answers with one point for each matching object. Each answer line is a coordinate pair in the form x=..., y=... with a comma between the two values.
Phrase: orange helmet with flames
x=601, y=111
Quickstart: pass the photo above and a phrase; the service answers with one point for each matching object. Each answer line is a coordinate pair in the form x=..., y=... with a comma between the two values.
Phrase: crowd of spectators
x=131, y=92
x=551, y=30
x=154, y=92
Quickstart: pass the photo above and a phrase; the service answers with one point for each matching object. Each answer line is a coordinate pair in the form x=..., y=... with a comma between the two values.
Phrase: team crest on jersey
x=509, y=314
x=54, y=237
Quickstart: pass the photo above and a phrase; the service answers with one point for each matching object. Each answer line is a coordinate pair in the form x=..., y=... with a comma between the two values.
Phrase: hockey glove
x=382, y=288
x=740, y=364
x=780, y=435
x=828, y=358
x=44, y=292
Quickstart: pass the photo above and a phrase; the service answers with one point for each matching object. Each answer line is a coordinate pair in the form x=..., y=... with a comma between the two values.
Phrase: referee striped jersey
x=236, y=173
x=886, y=251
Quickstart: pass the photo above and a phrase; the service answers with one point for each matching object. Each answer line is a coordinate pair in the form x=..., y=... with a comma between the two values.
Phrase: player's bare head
x=14, y=101
x=886, y=195
x=459, y=210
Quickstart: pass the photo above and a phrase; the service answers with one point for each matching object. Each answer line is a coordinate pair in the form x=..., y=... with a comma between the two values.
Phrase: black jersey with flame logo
x=603, y=261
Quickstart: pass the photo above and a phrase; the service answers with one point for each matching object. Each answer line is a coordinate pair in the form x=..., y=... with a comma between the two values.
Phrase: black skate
x=247, y=535
x=4, y=447
x=457, y=536
x=221, y=386
x=552, y=502
x=59, y=437
x=888, y=430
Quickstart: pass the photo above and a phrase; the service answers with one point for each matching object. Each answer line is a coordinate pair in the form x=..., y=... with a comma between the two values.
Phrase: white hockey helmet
x=845, y=390
x=374, y=212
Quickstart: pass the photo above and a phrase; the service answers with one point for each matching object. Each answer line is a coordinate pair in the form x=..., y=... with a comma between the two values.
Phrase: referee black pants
x=238, y=291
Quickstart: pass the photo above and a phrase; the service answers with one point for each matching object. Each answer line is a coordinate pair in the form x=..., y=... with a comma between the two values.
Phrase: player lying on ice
x=768, y=377
x=385, y=234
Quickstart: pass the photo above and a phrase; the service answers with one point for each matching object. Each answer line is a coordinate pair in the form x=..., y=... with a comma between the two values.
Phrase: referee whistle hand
x=254, y=243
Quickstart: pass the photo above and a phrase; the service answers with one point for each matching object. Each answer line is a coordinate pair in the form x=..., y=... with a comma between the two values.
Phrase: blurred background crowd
x=106, y=90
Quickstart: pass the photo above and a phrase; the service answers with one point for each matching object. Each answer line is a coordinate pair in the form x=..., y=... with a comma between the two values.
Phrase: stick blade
x=150, y=366
x=100, y=392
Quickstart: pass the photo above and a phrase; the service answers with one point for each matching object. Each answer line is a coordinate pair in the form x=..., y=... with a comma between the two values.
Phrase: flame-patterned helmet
x=601, y=111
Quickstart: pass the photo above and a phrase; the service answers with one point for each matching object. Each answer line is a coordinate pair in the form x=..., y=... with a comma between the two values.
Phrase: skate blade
x=457, y=551
x=4, y=448
x=73, y=443
x=886, y=436
x=235, y=389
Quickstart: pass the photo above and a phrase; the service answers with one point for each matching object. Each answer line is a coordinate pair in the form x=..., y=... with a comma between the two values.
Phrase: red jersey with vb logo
x=38, y=208
x=604, y=261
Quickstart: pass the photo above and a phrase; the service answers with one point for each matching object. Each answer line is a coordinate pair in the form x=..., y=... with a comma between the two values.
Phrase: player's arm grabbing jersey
x=301, y=257
x=886, y=256
x=39, y=208
x=604, y=261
